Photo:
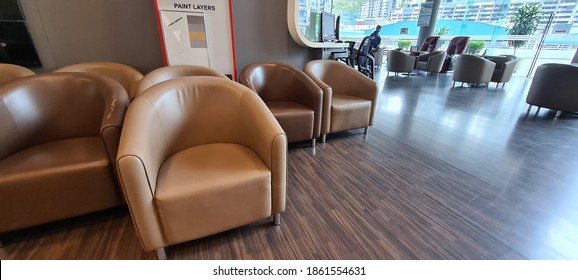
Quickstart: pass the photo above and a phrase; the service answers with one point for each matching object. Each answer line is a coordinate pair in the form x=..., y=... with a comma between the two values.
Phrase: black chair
x=365, y=61
x=351, y=55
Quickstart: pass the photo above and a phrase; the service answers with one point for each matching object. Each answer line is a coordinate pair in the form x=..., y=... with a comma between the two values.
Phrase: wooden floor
x=445, y=173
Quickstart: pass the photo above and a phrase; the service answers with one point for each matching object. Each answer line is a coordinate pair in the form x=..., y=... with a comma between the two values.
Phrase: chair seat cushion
x=54, y=181
x=421, y=65
x=295, y=119
x=349, y=112
x=211, y=188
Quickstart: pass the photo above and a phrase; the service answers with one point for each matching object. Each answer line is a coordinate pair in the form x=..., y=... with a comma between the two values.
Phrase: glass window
x=482, y=20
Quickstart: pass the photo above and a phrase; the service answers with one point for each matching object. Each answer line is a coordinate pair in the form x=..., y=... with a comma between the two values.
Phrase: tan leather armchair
x=127, y=76
x=9, y=72
x=398, y=61
x=198, y=156
x=174, y=71
x=473, y=69
x=58, y=145
x=293, y=98
x=504, y=69
x=349, y=97
x=554, y=87
x=431, y=62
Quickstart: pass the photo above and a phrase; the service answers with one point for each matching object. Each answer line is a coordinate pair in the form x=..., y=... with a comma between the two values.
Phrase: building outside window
x=480, y=19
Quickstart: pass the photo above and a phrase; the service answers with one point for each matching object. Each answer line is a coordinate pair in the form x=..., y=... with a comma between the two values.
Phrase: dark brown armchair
x=456, y=46
x=429, y=44
x=349, y=97
x=554, y=87
x=58, y=145
x=293, y=98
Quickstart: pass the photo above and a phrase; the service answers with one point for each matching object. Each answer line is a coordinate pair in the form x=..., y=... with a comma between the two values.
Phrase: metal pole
x=425, y=31
x=541, y=45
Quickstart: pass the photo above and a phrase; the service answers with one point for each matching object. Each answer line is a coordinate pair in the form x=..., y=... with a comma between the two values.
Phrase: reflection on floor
x=445, y=173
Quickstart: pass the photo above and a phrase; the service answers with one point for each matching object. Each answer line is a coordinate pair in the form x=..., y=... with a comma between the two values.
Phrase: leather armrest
x=110, y=129
x=263, y=134
x=327, y=95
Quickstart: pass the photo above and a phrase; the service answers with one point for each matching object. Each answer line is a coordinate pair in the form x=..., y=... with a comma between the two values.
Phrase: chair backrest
x=189, y=111
x=499, y=60
x=273, y=81
x=471, y=68
x=334, y=74
x=365, y=45
x=457, y=45
x=175, y=71
x=554, y=87
x=9, y=72
x=126, y=75
x=351, y=46
x=429, y=44
x=56, y=106
x=363, y=57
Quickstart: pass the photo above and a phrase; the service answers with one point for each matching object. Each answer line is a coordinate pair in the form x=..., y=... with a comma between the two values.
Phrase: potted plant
x=475, y=46
x=404, y=44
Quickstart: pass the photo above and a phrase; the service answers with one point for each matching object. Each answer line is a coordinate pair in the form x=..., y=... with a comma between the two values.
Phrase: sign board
x=425, y=13
x=197, y=32
x=561, y=28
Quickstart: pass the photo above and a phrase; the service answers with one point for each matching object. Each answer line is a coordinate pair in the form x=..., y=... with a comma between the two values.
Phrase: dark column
x=425, y=31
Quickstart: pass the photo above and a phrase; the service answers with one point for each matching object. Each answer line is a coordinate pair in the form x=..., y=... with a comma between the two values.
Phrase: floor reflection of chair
x=126, y=75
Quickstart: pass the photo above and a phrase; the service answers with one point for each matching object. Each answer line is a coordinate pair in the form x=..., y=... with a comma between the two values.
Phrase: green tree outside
x=524, y=22
x=475, y=46
x=404, y=44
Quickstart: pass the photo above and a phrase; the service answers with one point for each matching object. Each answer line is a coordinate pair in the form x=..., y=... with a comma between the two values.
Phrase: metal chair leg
x=366, y=130
x=323, y=138
x=313, y=141
x=454, y=84
x=558, y=113
x=161, y=254
x=277, y=219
